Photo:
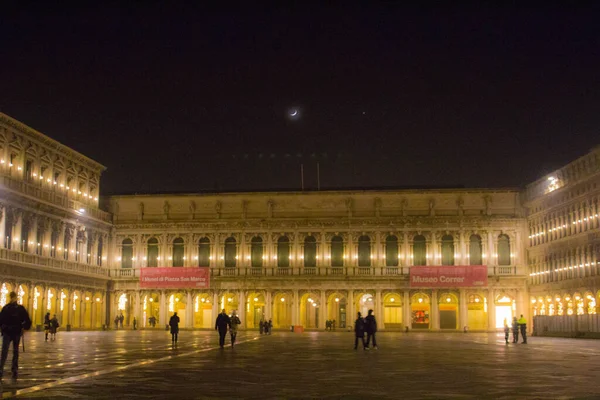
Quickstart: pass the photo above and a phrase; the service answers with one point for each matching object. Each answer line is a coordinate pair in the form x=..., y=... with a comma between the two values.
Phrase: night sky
x=186, y=99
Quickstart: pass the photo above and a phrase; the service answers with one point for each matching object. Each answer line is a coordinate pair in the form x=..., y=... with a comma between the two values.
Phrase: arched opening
x=419, y=250
x=364, y=251
x=448, y=310
x=230, y=252
x=447, y=250
x=590, y=303
x=282, y=310
x=176, y=303
x=38, y=307
x=255, y=310
x=309, y=310
x=152, y=255
x=337, y=251
x=504, y=309
x=151, y=310
x=337, y=306
x=123, y=311
x=310, y=251
x=126, y=253
x=63, y=307
x=475, y=250
x=392, y=311
x=97, y=311
x=5, y=289
x=503, y=250
x=23, y=296
x=391, y=251
x=51, y=302
x=86, y=310
x=477, y=312
x=203, y=316
x=364, y=303
x=420, y=308
x=256, y=252
x=283, y=252
x=229, y=303
x=204, y=252
x=178, y=255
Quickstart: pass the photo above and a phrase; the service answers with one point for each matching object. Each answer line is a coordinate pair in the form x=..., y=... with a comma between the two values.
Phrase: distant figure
x=269, y=326
x=506, y=330
x=174, y=324
x=371, y=329
x=152, y=321
x=134, y=324
x=121, y=319
x=233, y=327
x=221, y=325
x=14, y=319
x=47, y=325
x=261, y=326
x=359, y=332
x=515, y=330
x=53, y=327
x=333, y=324
x=117, y=322
x=523, y=325
x=327, y=325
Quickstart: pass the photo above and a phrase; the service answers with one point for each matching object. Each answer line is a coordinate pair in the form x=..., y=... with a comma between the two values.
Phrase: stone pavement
x=143, y=364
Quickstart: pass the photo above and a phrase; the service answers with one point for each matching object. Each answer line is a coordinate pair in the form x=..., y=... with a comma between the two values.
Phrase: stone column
x=491, y=304
x=406, y=250
x=349, y=252
x=2, y=226
x=215, y=306
x=379, y=309
x=377, y=259
x=16, y=230
x=406, y=310
x=463, y=310
x=295, y=307
x=189, y=310
x=462, y=260
x=491, y=260
x=322, y=310
x=164, y=306
x=32, y=246
x=434, y=317
x=351, y=315
x=268, y=305
x=242, y=309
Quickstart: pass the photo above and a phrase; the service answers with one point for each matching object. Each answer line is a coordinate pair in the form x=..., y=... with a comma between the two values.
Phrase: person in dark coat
x=14, y=319
x=47, y=325
x=515, y=330
x=134, y=323
x=359, y=332
x=53, y=327
x=371, y=329
x=270, y=326
x=174, y=324
x=261, y=326
x=221, y=325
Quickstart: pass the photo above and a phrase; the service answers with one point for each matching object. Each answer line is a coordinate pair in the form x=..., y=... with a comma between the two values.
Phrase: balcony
x=52, y=263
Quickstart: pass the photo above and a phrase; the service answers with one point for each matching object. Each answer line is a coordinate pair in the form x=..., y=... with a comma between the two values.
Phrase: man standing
x=523, y=325
x=371, y=328
x=174, y=324
x=359, y=332
x=515, y=329
x=235, y=322
x=221, y=325
x=13, y=320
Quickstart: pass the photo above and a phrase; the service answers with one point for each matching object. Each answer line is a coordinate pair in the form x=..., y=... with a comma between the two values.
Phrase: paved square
x=139, y=364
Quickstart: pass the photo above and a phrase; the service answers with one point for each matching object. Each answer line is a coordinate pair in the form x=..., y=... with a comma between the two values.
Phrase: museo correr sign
x=448, y=276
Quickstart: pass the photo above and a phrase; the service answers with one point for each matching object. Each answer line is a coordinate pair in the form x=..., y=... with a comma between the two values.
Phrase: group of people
x=330, y=325
x=50, y=326
x=223, y=323
x=119, y=319
x=265, y=326
x=517, y=324
x=366, y=325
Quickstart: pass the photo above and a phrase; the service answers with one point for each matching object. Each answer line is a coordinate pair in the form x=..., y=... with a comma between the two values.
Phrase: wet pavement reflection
x=140, y=364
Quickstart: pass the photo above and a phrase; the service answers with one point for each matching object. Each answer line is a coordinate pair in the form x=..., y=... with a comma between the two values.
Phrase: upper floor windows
x=475, y=250
x=230, y=250
x=391, y=251
x=152, y=252
x=310, y=251
x=419, y=250
x=178, y=252
x=447, y=250
x=127, y=253
x=364, y=251
x=337, y=251
x=283, y=252
x=256, y=252
x=503, y=250
x=204, y=252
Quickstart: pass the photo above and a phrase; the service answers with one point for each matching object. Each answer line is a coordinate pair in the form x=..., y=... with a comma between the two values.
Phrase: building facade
x=297, y=258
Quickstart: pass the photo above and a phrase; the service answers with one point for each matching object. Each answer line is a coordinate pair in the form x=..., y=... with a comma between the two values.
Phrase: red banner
x=174, y=278
x=449, y=276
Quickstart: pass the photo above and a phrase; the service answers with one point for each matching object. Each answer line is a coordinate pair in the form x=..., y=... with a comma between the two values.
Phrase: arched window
x=283, y=252
x=127, y=253
x=89, y=248
x=24, y=236
x=475, y=250
x=503, y=250
x=419, y=250
x=310, y=251
x=391, y=251
x=204, y=252
x=40, y=242
x=152, y=252
x=447, y=250
x=230, y=252
x=337, y=251
x=178, y=252
x=364, y=251
x=256, y=252
x=100, y=248
x=8, y=231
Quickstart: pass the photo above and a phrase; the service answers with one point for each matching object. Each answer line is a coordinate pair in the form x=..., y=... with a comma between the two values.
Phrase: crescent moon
x=294, y=113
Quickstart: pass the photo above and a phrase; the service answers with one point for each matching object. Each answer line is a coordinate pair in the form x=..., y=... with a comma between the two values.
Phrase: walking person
x=47, y=325
x=270, y=326
x=506, y=330
x=221, y=325
x=134, y=324
x=523, y=325
x=121, y=319
x=53, y=327
x=14, y=319
x=174, y=324
x=371, y=329
x=233, y=327
x=261, y=326
x=515, y=330
x=359, y=332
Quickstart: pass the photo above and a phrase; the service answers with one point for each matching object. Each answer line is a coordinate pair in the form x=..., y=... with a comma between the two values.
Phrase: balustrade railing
x=54, y=263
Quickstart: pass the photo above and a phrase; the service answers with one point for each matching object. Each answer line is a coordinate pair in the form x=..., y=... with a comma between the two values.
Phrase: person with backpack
x=233, y=327
x=359, y=332
x=14, y=319
x=371, y=329
x=174, y=324
x=53, y=327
